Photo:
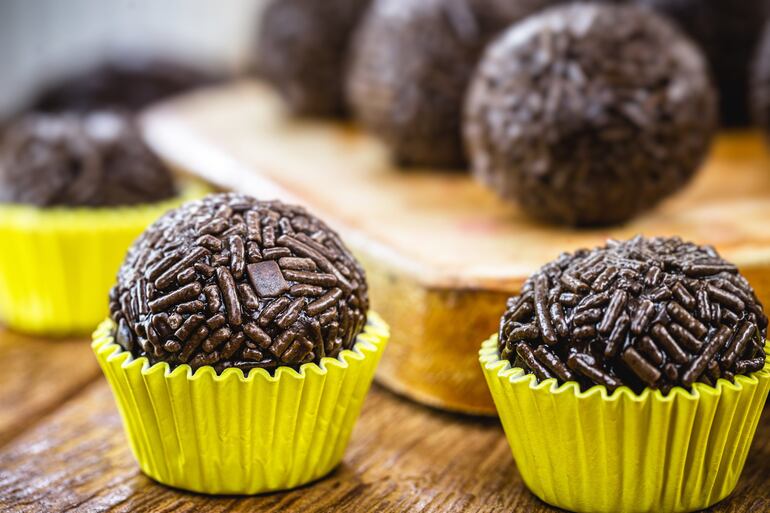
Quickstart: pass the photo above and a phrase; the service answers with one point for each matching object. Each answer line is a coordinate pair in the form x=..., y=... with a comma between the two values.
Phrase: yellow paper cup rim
x=90, y=219
x=80, y=249
x=489, y=357
x=370, y=341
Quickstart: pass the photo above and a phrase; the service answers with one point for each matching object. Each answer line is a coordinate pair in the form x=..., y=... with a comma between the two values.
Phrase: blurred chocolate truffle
x=410, y=66
x=644, y=313
x=302, y=49
x=122, y=81
x=760, y=82
x=728, y=31
x=589, y=114
x=230, y=281
x=97, y=159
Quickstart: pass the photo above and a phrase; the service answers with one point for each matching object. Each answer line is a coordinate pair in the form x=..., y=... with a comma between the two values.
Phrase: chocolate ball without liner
x=760, y=83
x=302, y=49
x=232, y=282
x=728, y=32
x=589, y=114
x=645, y=313
x=124, y=81
x=92, y=160
x=410, y=66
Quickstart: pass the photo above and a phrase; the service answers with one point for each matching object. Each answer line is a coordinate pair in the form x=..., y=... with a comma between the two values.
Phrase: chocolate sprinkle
x=410, y=64
x=206, y=301
x=632, y=339
x=302, y=49
x=94, y=160
x=589, y=114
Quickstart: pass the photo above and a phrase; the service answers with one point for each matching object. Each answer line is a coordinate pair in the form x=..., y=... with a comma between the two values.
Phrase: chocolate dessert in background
x=302, y=49
x=728, y=31
x=411, y=63
x=589, y=114
x=125, y=81
x=97, y=159
x=760, y=82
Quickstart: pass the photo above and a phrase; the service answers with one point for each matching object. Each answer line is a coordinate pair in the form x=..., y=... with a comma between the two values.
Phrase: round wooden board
x=442, y=253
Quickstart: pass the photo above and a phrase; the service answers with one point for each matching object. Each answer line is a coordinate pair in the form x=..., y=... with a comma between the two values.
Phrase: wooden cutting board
x=442, y=253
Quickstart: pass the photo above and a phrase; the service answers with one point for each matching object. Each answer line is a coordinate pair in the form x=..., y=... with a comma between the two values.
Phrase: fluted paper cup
x=57, y=264
x=240, y=434
x=624, y=452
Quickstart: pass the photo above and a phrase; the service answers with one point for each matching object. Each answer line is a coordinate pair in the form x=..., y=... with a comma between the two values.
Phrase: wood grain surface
x=37, y=376
x=403, y=457
x=442, y=252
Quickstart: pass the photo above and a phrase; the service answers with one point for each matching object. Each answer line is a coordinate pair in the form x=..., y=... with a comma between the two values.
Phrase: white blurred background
x=42, y=39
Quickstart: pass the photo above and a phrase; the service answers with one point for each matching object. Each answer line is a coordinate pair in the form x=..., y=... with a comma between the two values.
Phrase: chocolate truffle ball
x=410, y=66
x=94, y=160
x=124, y=81
x=760, y=82
x=232, y=282
x=728, y=31
x=302, y=49
x=588, y=114
x=645, y=313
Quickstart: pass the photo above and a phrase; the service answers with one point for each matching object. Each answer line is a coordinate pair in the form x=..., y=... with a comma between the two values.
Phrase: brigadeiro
x=243, y=327
x=96, y=159
x=643, y=357
x=124, y=81
x=655, y=313
x=75, y=190
x=728, y=32
x=302, y=49
x=589, y=114
x=760, y=82
x=410, y=66
x=230, y=281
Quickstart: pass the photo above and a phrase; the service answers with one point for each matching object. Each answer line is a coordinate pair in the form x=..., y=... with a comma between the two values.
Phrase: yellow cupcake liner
x=236, y=434
x=58, y=264
x=624, y=452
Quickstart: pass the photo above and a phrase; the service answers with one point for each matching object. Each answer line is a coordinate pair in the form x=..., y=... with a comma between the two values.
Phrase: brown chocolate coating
x=302, y=48
x=589, y=114
x=728, y=31
x=125, y=82
x=93, y=160
x=644, y=313
x=410, y=65
x=760, y=82
x=232, y=282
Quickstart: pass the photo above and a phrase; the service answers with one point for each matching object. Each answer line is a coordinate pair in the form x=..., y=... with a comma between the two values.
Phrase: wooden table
x=62, y=448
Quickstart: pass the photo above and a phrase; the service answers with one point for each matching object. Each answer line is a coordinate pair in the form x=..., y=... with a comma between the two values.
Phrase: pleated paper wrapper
x=57, y=264
x=236, y=434
x=625, y=452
